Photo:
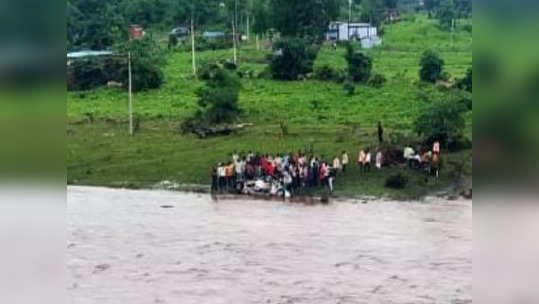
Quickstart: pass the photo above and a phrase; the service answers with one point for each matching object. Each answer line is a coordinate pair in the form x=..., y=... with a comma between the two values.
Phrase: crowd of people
x=288, y=174
x=282, y=174
x=424, y=159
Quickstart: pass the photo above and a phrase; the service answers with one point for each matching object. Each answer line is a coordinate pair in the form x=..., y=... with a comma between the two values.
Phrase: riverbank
x=161, y=247
x=286, y=116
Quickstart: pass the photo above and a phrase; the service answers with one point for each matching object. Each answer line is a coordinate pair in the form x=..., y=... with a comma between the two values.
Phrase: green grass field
x=318, y=114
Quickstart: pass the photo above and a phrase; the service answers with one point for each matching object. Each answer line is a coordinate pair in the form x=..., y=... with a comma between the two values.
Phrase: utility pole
x=234, y=42
x=193, y=45
x=350, y=3
x=234, y=27
x=130, y=94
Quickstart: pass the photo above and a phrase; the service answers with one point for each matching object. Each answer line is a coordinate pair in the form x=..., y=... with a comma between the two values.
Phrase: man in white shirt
x=368, y=159
x=336, y=164
x=345, y=161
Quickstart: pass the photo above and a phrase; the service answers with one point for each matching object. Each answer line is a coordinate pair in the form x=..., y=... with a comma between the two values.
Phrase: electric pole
x=193, y=45
x=349, y=17
x=234, y=27
x=130, y=94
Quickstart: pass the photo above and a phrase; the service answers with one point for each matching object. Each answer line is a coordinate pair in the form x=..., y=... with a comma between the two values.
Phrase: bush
x=359, y=65
x=349, y=87
x=377, y=81
x=325, y=73
x=146, y=62
x=397, y=181
x=172, y=41
x=293, y=58
x=431, y=67
x=442, y=122
x=208, y=70
x=466, y=82
x=87, y=74
x=219, y=97
x=464, y=98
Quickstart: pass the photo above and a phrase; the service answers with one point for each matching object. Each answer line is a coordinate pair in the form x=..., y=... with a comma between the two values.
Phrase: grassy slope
x=100, y=153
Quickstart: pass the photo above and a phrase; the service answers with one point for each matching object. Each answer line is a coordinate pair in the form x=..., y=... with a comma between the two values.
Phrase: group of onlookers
x=424, y=159
x=289, y=173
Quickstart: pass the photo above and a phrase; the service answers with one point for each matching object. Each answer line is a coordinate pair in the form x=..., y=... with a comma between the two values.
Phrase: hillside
x=317, y=114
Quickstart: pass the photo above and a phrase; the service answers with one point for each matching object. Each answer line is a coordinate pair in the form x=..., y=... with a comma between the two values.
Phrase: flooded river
x=163, y=247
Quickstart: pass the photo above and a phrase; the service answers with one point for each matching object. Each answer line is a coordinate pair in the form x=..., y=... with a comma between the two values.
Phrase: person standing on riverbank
x=380, y=132
x=336, y=164
x=361, y=160
x=345, y=160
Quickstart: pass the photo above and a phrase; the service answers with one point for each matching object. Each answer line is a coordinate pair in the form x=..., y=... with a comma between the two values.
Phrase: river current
x=146, y=247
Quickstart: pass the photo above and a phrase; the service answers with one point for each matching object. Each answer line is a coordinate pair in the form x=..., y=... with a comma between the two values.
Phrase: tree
x=446, y=14
x=463, y=8
x=442, y=122
x=359, y=65
x=145, y=12
x=94, y=24
x=293, y=57
x=198, y=13
x=307, y=19
x=219, y=97
x=466, y=82
x=431, y=6
x=261, y=23
x=374, y=11
x=147, y=62
x=431, y=66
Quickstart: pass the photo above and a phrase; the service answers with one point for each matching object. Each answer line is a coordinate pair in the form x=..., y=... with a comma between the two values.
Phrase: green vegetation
x=295, y=59
x=359, y=65
x=314, y=113
x=431, y=67
x=219, y=98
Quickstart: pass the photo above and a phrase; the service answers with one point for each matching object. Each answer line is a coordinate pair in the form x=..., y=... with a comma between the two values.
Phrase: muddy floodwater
x=163, y=247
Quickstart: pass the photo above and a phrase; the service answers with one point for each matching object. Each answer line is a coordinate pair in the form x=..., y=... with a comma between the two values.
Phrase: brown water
x=125, y=247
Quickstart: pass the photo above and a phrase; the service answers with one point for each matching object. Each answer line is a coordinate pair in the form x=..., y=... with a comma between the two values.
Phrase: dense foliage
x=359, y=65
x=377, y=81
x=431, y=66
x=294, y=57
x=219, y=97
x=466, y=82
x=146, y=63
x=87, y=74
x=307, y=19
x=444, y=122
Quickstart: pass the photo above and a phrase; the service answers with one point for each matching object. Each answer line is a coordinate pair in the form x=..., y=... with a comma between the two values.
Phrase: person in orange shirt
x=435, y=164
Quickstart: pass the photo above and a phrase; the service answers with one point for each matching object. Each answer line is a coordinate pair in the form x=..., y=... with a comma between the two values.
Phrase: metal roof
x=89, y=53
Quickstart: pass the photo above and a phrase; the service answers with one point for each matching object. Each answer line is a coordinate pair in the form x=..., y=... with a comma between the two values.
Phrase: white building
x=343, y=31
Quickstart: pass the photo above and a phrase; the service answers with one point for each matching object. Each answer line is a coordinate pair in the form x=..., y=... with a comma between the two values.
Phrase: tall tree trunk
x=193, y=50
x=257, y=43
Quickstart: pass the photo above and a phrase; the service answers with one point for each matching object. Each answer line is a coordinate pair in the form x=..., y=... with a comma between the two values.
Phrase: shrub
x=431, y=67
x=349, y=87
x=466, y=82
x=219, y=97
x=293, y=58
x=397, y=181
x=208, y=70
x=172, y=41
x=147, y=61
x=359, y=65
x=377, y=81
x=442, y=122
x=90, y=73
x=325, y=73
